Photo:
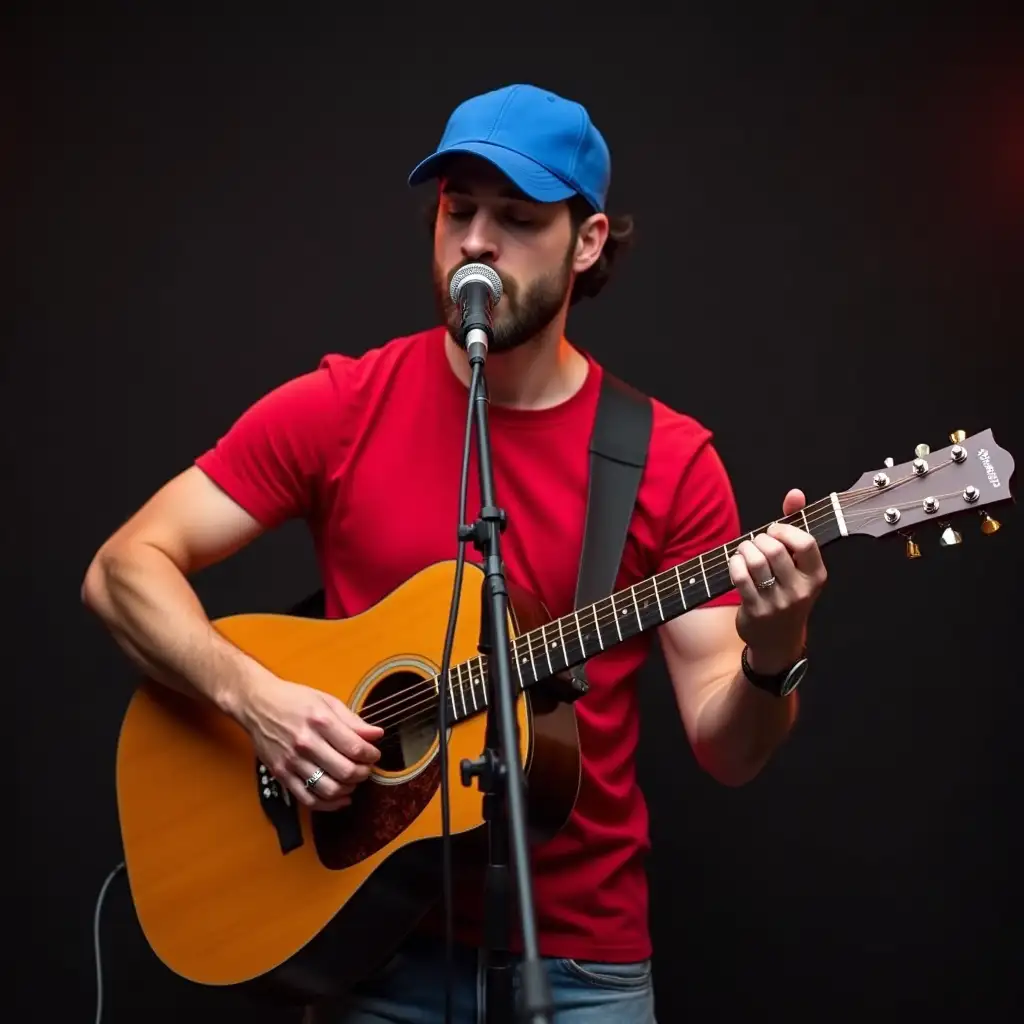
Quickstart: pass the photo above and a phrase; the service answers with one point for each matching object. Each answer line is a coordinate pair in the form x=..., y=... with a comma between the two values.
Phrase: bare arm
x=138, y=586
x=732, y=726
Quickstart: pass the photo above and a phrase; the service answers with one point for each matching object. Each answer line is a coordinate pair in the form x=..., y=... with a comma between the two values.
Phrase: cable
x=96, y=938
x=444, y=689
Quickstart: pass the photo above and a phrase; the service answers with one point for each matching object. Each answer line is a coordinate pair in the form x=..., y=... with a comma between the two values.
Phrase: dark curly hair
x=589, y=284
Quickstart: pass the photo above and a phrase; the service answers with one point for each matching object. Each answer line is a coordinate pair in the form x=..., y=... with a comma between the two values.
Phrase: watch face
x=794, y=678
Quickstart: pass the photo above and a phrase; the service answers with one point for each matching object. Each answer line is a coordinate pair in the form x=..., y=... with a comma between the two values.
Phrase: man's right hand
x=297, y=730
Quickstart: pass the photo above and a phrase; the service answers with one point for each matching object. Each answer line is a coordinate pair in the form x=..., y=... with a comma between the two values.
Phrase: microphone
x=476, y=289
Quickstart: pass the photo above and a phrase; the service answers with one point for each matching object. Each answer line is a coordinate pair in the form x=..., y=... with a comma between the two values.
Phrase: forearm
x=158, y=621
x=739, y=727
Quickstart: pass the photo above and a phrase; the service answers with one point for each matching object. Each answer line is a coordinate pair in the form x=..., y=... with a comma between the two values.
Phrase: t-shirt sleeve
x=272, y=458
x=704, y=514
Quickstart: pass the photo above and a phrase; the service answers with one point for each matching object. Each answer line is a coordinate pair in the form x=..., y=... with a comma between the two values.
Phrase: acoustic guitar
x=235, y=884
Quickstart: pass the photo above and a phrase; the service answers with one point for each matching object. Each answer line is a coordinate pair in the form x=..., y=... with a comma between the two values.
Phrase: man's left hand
x=772, y=619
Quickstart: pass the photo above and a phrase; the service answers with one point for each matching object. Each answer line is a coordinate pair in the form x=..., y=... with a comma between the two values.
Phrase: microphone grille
x=475, y=272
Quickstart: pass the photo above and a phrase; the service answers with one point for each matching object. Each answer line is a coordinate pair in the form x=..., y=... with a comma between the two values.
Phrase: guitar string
x=424, y=706
x=425, y=695
x=427, y=704
x=821, y=510
x=531, y=649
x=518, y=648
x=606, y=611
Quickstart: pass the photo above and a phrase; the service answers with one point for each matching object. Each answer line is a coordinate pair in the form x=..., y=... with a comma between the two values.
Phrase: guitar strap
x=618, y=454
x=619, y=443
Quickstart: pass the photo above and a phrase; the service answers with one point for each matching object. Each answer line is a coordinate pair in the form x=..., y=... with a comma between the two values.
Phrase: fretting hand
x=779, y=576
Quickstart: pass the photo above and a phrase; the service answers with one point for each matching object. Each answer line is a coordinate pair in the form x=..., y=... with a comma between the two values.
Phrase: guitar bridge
x=280, y=809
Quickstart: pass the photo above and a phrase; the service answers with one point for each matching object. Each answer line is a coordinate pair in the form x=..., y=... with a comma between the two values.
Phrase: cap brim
x=527, y=175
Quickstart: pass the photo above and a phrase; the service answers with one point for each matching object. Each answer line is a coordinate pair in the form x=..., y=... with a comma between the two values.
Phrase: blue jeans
x=410, y=990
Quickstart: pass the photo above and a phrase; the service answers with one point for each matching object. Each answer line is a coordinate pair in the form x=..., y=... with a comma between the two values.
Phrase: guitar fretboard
x=567, y=641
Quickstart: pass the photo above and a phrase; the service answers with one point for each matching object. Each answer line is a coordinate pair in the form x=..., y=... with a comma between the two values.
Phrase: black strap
x=618, y=454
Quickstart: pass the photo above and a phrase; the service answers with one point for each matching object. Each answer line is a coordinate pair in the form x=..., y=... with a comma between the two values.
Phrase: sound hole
x=405, y=706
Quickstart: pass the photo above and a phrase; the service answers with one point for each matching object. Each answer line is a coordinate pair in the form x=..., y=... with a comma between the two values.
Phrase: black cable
x=444, y=690
x=119, y=867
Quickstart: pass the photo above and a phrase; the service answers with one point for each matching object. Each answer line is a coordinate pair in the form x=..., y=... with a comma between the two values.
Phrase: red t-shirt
x=361, y=441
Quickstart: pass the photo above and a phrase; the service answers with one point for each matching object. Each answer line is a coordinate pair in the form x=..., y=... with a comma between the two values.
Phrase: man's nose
x=481, y=239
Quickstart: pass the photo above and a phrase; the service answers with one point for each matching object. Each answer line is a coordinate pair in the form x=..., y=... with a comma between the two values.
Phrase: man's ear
x=590, y=238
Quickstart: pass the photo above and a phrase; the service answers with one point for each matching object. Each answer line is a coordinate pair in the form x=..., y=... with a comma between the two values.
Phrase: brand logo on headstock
x=986, y=461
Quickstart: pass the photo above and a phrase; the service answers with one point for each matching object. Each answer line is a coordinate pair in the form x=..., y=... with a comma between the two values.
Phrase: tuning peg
x=958, y=436
x=922, y=450
x=988, y=524
x=889, y=463
x=949, y=537
x=913, y=551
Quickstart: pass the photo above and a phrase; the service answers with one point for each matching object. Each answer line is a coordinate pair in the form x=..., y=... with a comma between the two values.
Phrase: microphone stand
x=498, y=770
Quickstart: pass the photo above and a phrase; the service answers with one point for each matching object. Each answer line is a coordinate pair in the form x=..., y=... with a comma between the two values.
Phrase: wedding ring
x=765, y=584
x=314, y=778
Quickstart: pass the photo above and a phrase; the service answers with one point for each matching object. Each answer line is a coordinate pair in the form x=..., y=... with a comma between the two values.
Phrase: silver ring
x=765, y=584
x=314, y=778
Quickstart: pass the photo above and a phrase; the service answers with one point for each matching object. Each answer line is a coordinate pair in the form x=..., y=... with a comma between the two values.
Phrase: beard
x=520, y=315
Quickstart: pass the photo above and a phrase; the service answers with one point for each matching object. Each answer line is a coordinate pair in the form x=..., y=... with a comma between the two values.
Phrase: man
x=522, y=178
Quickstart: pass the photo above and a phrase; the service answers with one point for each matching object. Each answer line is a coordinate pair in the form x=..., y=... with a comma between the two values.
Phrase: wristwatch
x=779, y=684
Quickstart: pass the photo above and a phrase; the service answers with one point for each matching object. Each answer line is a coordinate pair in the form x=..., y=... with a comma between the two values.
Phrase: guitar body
x=235, y=887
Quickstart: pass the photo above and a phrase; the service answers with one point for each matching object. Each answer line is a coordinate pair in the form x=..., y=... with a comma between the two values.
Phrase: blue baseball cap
x=546, y=145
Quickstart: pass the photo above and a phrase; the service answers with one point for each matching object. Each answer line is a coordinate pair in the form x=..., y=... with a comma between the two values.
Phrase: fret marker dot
x=693, y=579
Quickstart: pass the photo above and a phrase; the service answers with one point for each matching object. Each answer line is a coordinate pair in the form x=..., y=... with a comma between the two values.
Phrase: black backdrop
x=829, y=217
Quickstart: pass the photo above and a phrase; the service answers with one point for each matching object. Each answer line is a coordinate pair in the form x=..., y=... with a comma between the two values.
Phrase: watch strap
x=780, y=683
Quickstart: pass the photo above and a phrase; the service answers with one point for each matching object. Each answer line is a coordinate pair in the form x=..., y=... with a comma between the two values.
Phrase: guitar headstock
x=965, y=478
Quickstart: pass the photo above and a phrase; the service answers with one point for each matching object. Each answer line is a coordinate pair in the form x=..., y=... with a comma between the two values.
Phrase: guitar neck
x=558, y=645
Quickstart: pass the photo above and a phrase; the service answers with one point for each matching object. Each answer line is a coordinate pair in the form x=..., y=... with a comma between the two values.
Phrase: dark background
x=828, y=272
